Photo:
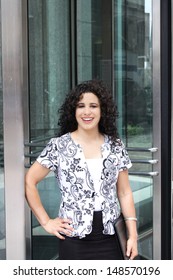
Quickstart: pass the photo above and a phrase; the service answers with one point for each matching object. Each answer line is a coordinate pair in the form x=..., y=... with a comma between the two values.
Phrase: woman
x=91, y=166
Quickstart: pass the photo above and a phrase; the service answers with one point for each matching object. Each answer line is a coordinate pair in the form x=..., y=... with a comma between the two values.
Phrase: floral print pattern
x=65, y=157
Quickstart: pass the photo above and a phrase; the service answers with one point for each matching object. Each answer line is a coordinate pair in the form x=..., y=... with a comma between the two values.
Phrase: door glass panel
x=49, y=81
x=94, y=33
x=133, y=94
x=114, y=43
x=2, y=204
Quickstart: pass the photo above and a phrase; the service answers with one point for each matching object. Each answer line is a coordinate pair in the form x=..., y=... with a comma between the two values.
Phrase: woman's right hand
x=57, y=226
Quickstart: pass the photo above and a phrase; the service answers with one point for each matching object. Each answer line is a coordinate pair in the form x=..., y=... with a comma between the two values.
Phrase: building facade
x=47, y=47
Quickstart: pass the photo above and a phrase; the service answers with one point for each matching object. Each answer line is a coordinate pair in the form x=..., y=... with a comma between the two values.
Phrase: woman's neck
x=85, y=136
x=90, y=142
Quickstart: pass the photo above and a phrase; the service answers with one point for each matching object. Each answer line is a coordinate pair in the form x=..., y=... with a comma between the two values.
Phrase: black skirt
x=95, y=246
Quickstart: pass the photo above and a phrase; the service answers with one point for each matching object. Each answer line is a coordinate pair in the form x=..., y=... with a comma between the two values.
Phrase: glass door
x=49, y=81
x=134, y=95
x=73, y=41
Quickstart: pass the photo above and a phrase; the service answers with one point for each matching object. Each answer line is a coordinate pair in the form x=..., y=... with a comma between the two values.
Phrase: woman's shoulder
x=116, y=145
x=59, y=139
x=115, y=142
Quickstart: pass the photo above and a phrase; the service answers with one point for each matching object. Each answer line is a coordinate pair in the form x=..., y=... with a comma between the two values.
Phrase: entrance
x=72, y=41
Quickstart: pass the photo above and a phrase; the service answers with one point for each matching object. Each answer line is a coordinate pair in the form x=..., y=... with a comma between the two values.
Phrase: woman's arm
x=35, y=174
x=125, y=197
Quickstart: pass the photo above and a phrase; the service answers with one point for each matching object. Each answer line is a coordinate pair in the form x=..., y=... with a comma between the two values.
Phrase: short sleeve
x=49, y=156
x=125, y=162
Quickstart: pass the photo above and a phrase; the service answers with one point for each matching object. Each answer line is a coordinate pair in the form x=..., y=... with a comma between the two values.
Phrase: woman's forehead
x=88, y=96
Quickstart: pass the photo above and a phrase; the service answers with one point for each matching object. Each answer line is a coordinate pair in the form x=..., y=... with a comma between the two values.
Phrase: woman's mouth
x=87, y=120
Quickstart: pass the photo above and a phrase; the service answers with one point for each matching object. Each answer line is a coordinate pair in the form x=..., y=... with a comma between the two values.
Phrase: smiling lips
x=87, y=119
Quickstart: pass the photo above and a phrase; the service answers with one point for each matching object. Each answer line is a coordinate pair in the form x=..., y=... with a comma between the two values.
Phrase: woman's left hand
x=132, y=248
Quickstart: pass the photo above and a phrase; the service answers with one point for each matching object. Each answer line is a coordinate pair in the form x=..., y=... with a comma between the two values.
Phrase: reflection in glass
x=49, y=82
x=94, y=37
x=133, y=71
x=133, y=94
x=49, y=56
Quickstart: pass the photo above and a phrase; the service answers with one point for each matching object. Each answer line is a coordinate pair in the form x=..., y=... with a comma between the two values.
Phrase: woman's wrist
x=133, y=236
x=130, y=219
x=44, y=224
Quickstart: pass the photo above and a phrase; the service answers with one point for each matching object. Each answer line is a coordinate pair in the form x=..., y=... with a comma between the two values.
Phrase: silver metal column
x=172, y=148
x=14, y=69
x=156, y=131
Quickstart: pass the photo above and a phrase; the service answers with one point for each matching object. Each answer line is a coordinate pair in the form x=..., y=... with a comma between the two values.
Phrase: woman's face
x=88, y=112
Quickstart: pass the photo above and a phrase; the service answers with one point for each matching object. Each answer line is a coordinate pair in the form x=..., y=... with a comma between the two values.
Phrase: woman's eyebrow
x=91, y=103
x=94, y=103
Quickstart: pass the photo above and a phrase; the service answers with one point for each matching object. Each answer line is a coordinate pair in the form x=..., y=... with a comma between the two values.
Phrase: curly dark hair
x=107, y=125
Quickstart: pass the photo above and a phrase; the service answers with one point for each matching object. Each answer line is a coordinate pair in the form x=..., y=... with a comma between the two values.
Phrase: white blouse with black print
x=66, y=158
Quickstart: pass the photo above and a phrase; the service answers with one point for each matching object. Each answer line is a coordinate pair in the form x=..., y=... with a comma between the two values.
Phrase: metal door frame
x=156, y=129
x=172, y=145
x=15, y=92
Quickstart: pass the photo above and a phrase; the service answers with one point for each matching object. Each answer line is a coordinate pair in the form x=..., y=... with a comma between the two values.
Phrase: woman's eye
x=93, y=106
x=80, y=106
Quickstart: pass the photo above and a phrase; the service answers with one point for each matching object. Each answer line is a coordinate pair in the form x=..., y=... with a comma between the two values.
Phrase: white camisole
x=95, y=168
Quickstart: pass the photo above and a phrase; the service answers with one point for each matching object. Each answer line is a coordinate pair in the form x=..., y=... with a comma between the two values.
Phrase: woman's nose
x=87, y=111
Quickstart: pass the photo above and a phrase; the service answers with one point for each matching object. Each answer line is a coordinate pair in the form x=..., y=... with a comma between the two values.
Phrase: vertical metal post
x=166, y=81
x=156, y=129
x=172, y=145
x=14, y=92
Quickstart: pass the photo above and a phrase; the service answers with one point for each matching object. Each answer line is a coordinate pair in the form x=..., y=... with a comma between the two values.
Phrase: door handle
x=152, y=173
x=152, y=149
x=150, y=161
